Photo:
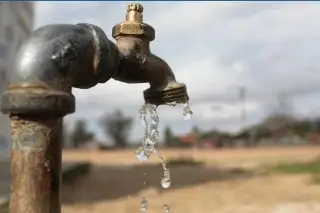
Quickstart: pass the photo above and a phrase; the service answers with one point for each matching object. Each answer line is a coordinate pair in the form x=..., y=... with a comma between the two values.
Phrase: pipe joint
x=55, y=59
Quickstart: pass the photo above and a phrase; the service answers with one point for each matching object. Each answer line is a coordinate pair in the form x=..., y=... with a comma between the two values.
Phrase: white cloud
x=213, y=47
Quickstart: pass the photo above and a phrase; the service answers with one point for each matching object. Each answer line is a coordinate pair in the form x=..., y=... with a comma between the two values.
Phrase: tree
x=168, y=137
x=117, y=126
x=80, y=134
x=278, y=123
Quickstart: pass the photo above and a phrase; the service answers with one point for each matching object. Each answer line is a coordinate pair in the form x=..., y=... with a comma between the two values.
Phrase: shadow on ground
x=112, y=182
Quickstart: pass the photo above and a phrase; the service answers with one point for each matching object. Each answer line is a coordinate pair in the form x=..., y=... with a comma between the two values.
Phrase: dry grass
x=214, y=188
x=241, y=157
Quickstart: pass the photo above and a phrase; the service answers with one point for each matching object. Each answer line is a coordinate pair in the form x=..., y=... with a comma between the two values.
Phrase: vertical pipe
x=36, y=164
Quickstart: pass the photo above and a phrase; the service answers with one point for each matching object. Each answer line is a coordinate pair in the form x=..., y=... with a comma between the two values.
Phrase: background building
x=16, y=24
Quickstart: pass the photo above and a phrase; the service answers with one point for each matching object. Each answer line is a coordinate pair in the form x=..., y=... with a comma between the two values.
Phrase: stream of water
x=148, y=147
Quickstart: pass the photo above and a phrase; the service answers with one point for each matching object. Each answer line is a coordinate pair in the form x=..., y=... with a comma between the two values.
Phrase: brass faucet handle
x=134, y=13
x=133, y=24
x=135, y=7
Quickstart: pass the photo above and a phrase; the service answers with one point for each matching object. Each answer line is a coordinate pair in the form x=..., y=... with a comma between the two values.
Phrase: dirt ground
x=117, y=183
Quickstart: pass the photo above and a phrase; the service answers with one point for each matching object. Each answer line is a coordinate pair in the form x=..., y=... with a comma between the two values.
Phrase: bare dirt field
x=117, y=183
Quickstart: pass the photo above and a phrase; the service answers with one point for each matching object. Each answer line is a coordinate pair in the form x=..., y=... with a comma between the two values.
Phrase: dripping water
x=165, y=208
x=187, y=112
x=144, y=205
x=151, y=137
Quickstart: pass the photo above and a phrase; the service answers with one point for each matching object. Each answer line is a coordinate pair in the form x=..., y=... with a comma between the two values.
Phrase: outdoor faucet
x=139, y=65
x=55, y=59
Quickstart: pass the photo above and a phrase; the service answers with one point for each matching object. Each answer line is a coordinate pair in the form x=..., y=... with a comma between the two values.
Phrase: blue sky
x=213, y=47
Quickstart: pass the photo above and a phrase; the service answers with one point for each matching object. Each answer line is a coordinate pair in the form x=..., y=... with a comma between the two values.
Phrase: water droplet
x=166, y=173
x=143, y=116
x=165, y=208
x=174, y=103
x=143, y=109
x=154, y=130
x=141, y=154
x=165, y=182
x=147, y=141
x=187, y=113
x=144, y=205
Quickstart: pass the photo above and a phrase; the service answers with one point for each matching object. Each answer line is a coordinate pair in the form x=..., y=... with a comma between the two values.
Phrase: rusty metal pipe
x=55, y=59
x=47, y=66
x=35, y=164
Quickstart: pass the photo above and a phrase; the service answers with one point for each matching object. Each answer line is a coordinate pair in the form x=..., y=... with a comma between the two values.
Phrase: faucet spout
x=139, y=65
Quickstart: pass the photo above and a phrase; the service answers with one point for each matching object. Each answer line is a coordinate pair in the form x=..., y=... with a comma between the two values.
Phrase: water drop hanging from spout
x=187, y=112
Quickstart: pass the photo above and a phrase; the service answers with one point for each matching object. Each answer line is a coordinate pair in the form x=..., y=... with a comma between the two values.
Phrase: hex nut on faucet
x=134, y=24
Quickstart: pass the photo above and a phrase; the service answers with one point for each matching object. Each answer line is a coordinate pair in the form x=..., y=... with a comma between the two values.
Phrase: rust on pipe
x=35, y=164
x=47, y=66
x=55, y=59
x=139, y=65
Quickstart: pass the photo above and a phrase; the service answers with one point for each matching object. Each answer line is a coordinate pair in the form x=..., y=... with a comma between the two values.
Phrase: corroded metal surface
x=51, y=62
x=172, y=94
x=139, y=65
x=56, y=58
x=35, y=164
x=34, y=99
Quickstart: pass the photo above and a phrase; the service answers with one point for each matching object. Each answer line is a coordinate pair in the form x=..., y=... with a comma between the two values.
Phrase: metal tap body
x=48, y=65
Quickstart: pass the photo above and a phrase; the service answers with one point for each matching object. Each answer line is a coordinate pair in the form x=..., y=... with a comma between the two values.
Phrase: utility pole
x=242, y=99
x=243, y=114
x=240, y=68
x=284, y=103
x=285, y=111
